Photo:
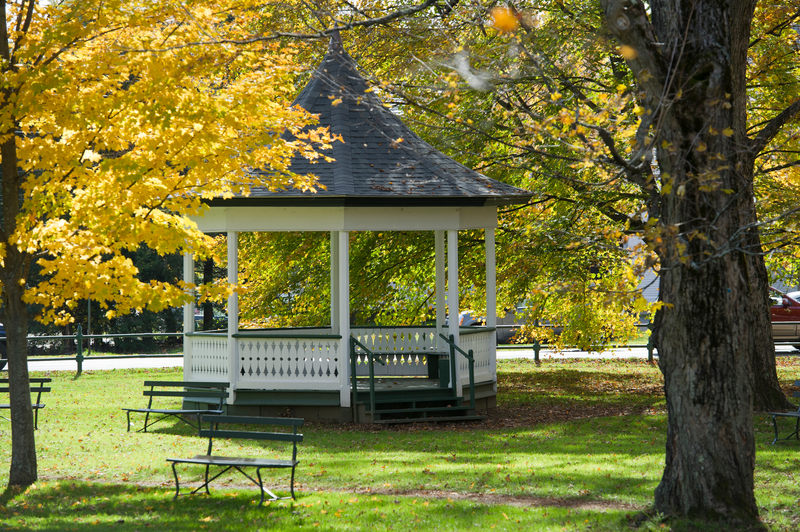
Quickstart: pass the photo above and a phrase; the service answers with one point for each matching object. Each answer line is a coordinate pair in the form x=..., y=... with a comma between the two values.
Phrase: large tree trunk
x=710, y=454
x=689, y=64
x=13, y=274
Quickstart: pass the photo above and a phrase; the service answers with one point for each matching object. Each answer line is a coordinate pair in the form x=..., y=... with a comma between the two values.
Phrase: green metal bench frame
x=198, y=391
x=38, y=390
x=795, y=415
x=238, y=463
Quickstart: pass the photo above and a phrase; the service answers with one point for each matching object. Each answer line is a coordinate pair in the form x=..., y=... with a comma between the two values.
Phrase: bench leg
x=35, y=418
x=775, y=424
x=129, y=420
x=146, y=417
x=206, y=480
x=291, y=485
x=177, y=484
x=260, y=486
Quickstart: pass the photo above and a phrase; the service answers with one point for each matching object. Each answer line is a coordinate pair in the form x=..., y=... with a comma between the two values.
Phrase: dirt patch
x=517, y=417
x=490, y=498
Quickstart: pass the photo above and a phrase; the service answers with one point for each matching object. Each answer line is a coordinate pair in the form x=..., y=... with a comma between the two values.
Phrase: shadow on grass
x=90, y=506
x=79, y=506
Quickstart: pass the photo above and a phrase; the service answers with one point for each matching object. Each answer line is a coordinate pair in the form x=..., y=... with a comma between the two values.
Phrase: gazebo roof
x=381, y=161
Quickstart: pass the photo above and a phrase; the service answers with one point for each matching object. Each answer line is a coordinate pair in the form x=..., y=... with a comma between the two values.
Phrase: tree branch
x=773, y=127
x=400, y=13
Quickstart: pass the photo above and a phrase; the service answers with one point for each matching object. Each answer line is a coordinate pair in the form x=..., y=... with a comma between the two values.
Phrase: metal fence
x=537, y=347
x=78, y=339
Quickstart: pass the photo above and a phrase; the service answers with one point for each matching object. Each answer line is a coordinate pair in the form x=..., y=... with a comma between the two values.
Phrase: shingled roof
x=381, y=162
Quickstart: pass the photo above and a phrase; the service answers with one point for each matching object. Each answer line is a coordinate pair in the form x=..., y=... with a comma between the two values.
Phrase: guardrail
x=79, y=337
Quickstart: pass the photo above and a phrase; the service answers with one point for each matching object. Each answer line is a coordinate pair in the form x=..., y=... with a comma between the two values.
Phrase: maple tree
x=114, y=127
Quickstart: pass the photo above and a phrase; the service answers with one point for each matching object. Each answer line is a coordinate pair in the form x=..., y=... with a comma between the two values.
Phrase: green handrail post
x=79, y=356
x=453, y=365
x=471, y=361
x=371, y=361
x=650, y=343
x=353, y=377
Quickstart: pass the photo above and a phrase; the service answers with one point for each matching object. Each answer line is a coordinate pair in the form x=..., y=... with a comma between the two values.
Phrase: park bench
x=213, y=394
x=37, y=386
x=795, y=415
x=238, y=463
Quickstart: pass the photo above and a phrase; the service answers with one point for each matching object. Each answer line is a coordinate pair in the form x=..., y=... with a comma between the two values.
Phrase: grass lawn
x=573, y=445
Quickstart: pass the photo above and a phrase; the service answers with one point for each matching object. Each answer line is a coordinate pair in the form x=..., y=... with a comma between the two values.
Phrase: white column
x=334, y=282
x=491, y=298
x=344, y=317
x=188, y=316
x=440, y=285
x=452, y=301
x=233, y=313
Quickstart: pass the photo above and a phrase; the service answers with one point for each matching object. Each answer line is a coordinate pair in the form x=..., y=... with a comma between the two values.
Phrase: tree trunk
x=767, y=392
x=689, y=65
x=710, y=454
x=14, y=270
x=23, y=471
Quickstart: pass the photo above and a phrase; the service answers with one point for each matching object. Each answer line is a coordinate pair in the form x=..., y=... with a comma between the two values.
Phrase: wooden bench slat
x=171, y=411
x=194, y=384
x=184, y=393
x=235, y=461
x=290, y=421
x=238, y=434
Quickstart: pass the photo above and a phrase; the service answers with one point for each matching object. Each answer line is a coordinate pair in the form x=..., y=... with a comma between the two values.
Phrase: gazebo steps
x=439, y=405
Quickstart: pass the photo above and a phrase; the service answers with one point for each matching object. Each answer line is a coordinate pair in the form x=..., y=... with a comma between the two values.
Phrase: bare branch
x=774, y=126
x=401, y=13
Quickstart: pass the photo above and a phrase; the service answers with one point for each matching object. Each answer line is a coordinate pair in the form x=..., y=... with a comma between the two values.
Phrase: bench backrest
x=199, y=391
x=215, y=432
x=37, y=386
x=796, y=394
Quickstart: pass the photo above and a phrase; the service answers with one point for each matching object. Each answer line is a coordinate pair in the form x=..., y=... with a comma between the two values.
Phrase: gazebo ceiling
x=381, y=162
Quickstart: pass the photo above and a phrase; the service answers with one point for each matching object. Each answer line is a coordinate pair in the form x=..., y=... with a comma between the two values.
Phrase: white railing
x=404, y=350
x=313, y=359
x=289, y=361
x=482, y=344
x=206, y=357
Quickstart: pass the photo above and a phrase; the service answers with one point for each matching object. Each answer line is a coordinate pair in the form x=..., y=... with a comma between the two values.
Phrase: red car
x=785, y=314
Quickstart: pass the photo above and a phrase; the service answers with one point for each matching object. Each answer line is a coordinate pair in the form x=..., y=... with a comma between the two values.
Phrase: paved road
x=620, y=353
x=90, y=363
x=549, y=354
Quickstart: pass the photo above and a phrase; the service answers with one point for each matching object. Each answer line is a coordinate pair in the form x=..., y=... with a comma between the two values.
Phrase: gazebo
x=383, y=178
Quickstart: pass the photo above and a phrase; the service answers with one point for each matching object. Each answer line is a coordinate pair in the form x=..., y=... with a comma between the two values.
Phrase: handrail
x=371, y=363
x=470, y=358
